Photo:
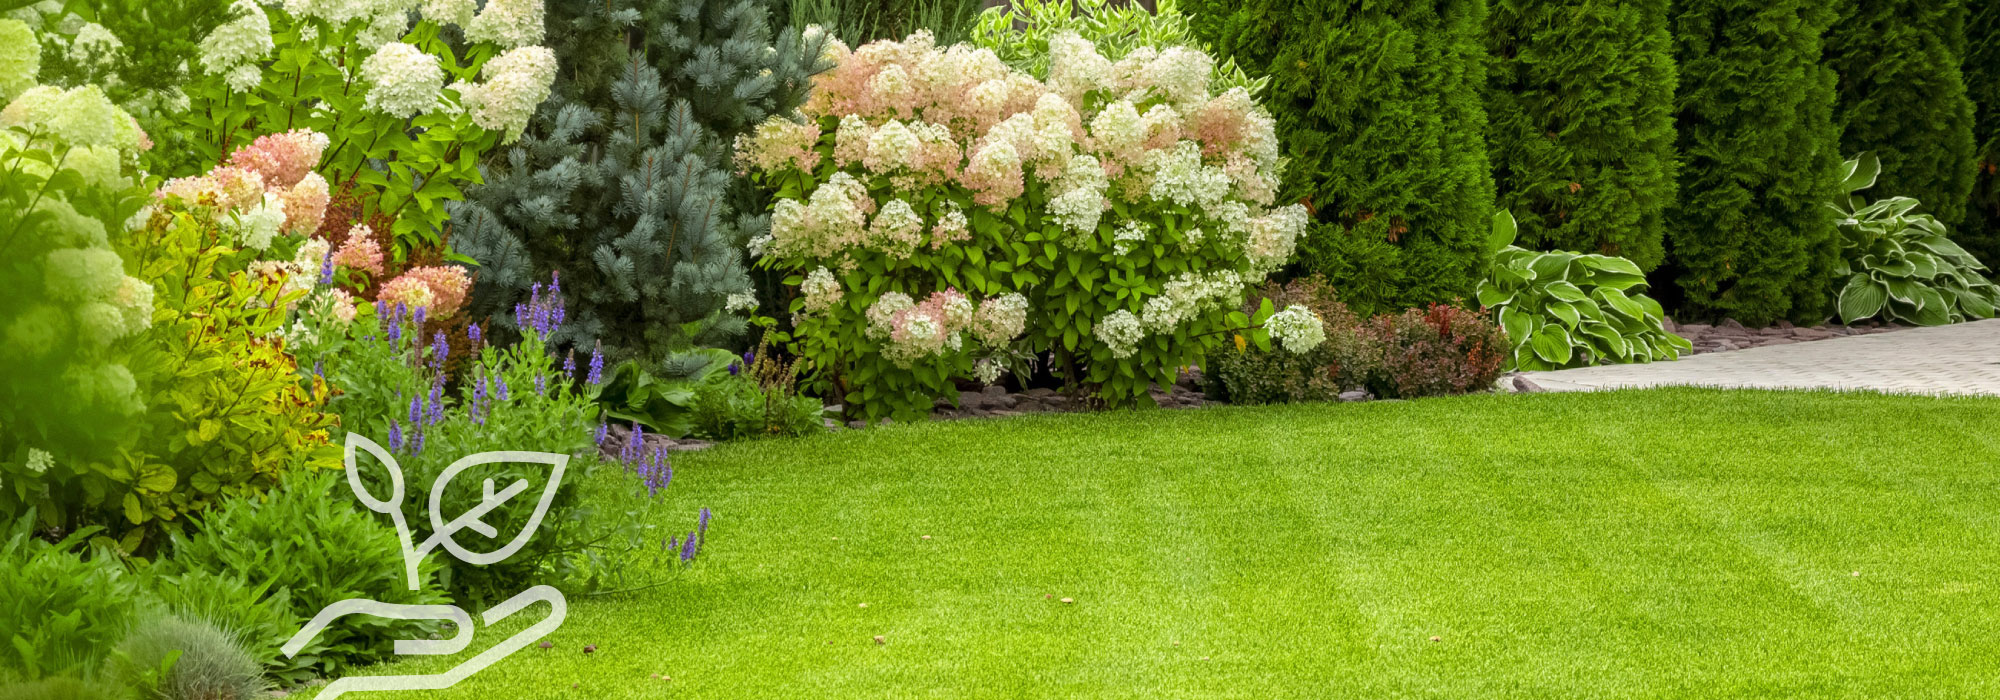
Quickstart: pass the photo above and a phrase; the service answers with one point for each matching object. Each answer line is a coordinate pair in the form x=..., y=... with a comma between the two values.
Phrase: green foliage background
x=1980, y=230
x=1380, y=110
x=1901, y=96
x=1581, y=134
x=1750, y=237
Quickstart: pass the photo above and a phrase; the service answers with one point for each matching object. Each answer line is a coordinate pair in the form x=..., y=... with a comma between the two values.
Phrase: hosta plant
x=944, y=213
x=1563, y=309
x=1900, y=265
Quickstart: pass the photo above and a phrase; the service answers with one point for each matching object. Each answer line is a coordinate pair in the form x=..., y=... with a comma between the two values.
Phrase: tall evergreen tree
x=1379, y=106
x=1581, y=123
x=1903, y=97
x=1980, y=231
x=623, y=181
x=1750, y=236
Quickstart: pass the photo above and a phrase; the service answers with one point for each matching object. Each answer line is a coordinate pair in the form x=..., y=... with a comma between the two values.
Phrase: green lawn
x=1679, y=543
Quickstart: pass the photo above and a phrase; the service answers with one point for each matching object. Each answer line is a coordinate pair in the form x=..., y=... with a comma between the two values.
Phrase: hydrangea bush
x=946, y=214
x=68, y=307
x=409, y=109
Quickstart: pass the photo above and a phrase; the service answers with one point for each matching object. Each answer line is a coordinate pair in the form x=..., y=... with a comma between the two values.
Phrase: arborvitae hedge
x=1901, y=96
x=1980, y=231
x=1580, y=99
x=1750, y=236
x=1380, y=109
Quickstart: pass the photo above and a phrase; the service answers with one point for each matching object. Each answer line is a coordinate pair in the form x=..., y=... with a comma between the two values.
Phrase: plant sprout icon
x=442, y=536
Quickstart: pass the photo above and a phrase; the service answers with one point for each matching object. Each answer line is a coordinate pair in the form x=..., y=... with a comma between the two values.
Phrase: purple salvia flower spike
x=395, y=436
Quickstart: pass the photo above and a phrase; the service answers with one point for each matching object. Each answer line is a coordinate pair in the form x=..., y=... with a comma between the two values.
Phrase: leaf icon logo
x=489, y=501
x=491, y=498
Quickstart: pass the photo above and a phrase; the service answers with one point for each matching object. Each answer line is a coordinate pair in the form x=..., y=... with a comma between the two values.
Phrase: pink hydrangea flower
x=282, y=159
x=360, y=251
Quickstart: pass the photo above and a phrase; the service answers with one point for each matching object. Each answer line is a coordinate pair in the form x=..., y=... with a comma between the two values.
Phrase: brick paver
x=1956, y=359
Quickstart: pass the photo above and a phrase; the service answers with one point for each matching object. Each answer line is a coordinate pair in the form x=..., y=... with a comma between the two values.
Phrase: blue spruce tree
x=622, y=183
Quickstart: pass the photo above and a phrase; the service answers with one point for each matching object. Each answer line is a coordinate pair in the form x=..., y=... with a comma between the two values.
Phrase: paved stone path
x=1956, y=359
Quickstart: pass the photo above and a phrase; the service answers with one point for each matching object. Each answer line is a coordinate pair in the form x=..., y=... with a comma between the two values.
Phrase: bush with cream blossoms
x=68, y=305
x=1113, y=212
x=409, y=108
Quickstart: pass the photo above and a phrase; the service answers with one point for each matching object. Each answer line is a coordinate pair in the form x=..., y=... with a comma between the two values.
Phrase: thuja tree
x=1980, y=230
x=1902, y=97
x=1379, y=107
x=1749, y=236
x=1580, y=104
x=622, y=183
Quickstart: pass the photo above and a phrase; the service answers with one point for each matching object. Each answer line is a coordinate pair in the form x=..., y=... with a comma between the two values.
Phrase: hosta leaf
x=1552, y=345
x=1863, y=297
x=1619, y=303
x=1491, y=295
x=1902, y=290
x=1565, y=291
x=1974, y=303
x=1931, y=308
x=1566, y=313
x=1517, y=323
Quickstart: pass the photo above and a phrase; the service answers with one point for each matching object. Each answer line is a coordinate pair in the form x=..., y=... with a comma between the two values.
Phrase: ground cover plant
x=1759, y=544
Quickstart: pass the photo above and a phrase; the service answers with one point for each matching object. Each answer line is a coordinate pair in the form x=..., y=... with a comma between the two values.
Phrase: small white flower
x=39, y=460
x=742, y=301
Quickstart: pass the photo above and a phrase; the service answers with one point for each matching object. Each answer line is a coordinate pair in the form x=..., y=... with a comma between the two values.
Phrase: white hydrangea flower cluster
x=830, y=221
x=1081, y=203
x=1190, y=294
x=94, y=45
x=510, y=24
x=516, y=82
x=1272, y=237
x=1120, y=332
x=456, y=12
x=1129, y=237
x=235, y=49
x=897, y=229
x=1296, y=329
x=1000, y=319
x=740, y=302
x=255, y=228
x=80, y=117
x=403, y=80
x=1180, y=177
x=821, y=290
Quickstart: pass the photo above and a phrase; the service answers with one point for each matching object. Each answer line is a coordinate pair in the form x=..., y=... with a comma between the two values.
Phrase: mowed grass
x=1674, y=543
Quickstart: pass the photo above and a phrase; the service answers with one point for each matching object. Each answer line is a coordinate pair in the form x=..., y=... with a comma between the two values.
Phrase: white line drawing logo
x=442, y=537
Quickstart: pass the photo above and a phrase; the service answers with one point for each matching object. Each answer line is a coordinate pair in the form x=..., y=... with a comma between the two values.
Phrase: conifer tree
x=1750, y=236
x=1379, y=106
x=1903, y=97
x=1581, y=125
x=623, y=183
x=1980, y=231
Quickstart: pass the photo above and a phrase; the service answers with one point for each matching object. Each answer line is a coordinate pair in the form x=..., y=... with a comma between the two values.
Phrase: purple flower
x=671, y=544
x=749, y=358
x=603, y=429
x=381, y=309
x=416, y=412
x=500, y=387
x=733, y=369
x=688, y=549
x=555, y=283
x=395, y=436
x=479, y=400
x=597, y=364
x=326, y=268
x=473, y=333
x=569, y=365
x=419, y=449
x=439, y=350
x=419, y=317
x=541, y=385
x=704, y=519
x=638, y=440
x=437, y=400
